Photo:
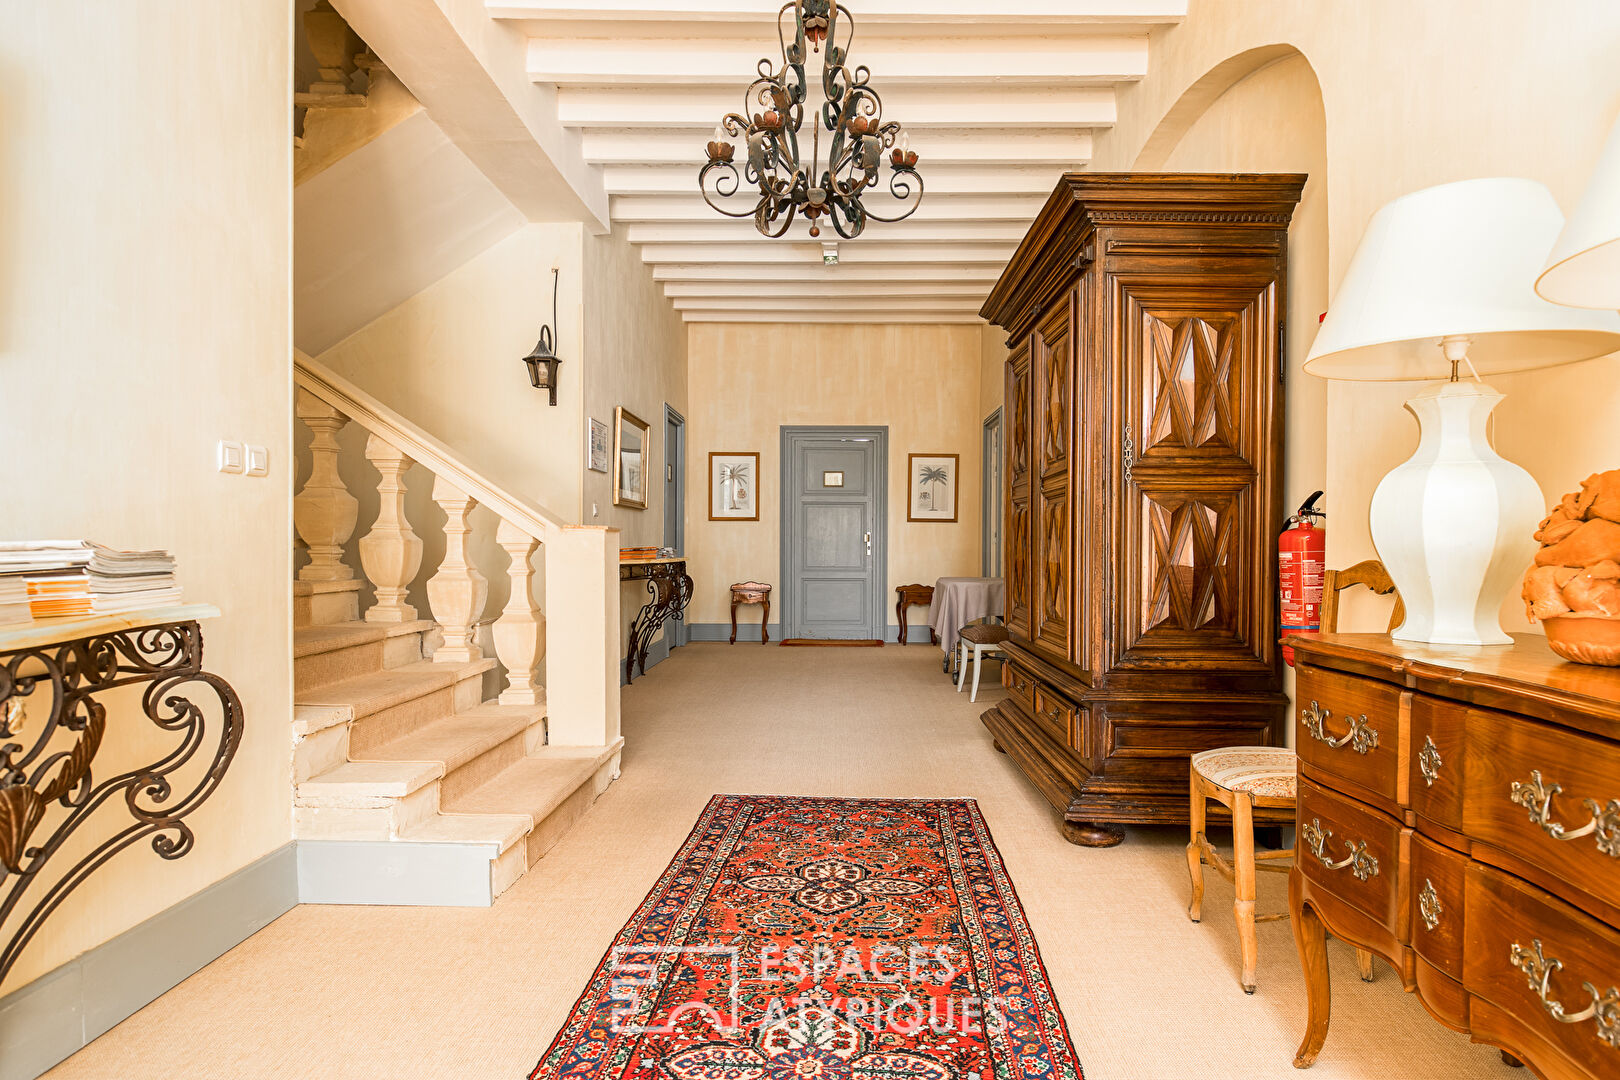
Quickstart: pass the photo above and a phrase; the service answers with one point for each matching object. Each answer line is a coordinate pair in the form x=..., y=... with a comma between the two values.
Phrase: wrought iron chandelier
x=772, y=117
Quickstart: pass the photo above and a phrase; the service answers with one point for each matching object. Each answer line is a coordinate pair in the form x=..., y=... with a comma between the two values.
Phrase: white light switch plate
x=258, y=461
x=230, y=456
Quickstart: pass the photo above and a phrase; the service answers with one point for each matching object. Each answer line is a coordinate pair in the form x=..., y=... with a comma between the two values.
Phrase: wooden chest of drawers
x=1459, y=815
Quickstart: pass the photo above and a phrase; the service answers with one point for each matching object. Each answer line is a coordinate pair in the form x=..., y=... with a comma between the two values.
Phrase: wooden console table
x=1459, y=815
x=51, y=728
x=671, y=589
x=908, y=596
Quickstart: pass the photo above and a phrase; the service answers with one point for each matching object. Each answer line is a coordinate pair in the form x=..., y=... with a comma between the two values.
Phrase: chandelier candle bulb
x=789, y=181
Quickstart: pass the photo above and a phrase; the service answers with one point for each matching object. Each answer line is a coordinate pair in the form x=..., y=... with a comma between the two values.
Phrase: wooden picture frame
x=931, y=479
x=631, y=439
x=733, y=485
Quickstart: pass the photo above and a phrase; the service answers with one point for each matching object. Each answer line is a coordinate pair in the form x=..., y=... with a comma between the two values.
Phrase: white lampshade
x=1457, y=259
x=1584, y=268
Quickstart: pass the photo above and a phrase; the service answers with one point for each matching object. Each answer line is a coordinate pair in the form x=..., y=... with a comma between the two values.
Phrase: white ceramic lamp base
x=1454, y=524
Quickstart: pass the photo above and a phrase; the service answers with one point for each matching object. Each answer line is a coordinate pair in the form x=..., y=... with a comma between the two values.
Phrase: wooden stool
x=751, y=592
x=909, y=595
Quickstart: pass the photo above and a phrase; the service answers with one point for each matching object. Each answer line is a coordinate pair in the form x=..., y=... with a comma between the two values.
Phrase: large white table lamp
x=1442, y=287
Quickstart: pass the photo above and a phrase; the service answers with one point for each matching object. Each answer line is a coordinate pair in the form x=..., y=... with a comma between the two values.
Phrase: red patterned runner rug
x=822, y=939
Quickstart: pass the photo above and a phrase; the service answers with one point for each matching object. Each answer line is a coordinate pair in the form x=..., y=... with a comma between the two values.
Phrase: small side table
x=752, y=592
x=909, y=595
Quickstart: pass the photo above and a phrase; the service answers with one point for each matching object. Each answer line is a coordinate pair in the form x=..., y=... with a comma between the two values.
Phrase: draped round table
x=960, y=600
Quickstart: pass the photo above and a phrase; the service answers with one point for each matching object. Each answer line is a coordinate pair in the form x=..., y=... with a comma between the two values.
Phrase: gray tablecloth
x=960, y=600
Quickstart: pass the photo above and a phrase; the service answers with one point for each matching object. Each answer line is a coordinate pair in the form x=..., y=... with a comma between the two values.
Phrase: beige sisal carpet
x=447, y=994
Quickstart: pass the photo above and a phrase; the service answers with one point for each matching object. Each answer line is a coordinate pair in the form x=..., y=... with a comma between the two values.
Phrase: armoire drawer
x=1353, y=851
x=1529, y=952
x=1054, y=714
x=1548, y=796
x=1020, y=686
x=1349, y=728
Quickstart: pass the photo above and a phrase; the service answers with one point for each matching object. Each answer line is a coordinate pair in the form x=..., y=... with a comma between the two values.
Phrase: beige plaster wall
x=1413, y=95
x=145, y=262
x=748, y=380
x=635, y=350
x=992, y=370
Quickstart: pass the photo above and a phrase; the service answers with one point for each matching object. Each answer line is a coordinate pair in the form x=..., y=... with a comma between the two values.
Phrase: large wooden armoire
x=1144, y=420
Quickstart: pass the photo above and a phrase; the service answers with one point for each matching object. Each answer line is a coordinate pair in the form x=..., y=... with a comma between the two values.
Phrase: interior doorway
x=990, y=499
x=834, y=513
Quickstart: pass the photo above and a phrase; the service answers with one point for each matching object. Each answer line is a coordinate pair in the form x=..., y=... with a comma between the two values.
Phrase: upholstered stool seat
x=1265, y=771
x=980, y=639
x=985, y=634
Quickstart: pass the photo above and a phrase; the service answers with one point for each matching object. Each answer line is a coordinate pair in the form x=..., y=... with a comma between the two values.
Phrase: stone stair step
x=365, y=695
x=462, y=737
x=332, y=652
x=359, y=785
x=500, y=831
x=555, y=782
x=323, y=602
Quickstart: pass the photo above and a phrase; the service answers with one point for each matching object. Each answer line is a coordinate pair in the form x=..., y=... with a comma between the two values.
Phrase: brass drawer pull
x=1429, y=905
x=1361, y=738
x=1361, y=864
x=1536, y=796
x=1429, y=761
x=1539, y=970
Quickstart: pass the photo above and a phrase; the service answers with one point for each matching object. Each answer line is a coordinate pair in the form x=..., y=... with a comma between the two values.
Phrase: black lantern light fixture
x=776, y=109
x=543, y=360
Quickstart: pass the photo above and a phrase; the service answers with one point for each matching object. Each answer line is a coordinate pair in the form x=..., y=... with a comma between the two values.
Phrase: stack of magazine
x=44, y=579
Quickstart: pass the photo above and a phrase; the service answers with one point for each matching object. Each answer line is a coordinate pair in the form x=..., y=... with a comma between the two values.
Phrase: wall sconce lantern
x=543, y=360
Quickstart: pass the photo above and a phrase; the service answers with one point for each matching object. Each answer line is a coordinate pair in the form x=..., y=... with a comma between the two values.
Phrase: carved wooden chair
x=1245, y=779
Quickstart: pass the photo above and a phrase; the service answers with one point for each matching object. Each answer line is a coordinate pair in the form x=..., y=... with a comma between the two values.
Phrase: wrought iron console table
x=51, y=728
x=671, y=589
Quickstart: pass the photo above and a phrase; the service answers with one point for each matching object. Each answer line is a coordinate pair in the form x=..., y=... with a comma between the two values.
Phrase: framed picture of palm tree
x=932, y=487
x=733, y=485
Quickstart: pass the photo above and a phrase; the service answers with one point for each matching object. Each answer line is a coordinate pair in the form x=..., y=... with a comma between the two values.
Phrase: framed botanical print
x=733, y=486
x=596, y=445
x=931, y=487
x=630, y=439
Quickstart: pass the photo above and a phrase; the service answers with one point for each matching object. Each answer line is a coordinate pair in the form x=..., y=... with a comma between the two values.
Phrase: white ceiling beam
x=897, y=315
x=870, y=12
x=820, y=302
x=469, y=76
x=729, y=231
x=934, y=61
x=831, y=286
x=857, y=253
x=739, y=273
x=938, y=179
x=1065, y=148
x=914, y=107
x=935, y=207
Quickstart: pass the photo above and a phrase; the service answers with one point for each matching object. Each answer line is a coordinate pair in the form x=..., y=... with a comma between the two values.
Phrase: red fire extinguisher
x=1301, y=557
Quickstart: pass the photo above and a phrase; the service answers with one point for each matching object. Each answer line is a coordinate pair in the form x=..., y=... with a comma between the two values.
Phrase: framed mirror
x=630, y=438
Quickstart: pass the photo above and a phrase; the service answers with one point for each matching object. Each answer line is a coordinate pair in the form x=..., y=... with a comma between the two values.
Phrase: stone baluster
x=324, y=511
x=391, y=553
x=520, y=632
x=458, y=591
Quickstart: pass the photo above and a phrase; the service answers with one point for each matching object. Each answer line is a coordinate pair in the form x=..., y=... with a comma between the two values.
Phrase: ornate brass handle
x=1361, y=738
x=1536, y=796
x=1429, y=761
x=1429, y=905
x=1361, y=864
x=1539, y=970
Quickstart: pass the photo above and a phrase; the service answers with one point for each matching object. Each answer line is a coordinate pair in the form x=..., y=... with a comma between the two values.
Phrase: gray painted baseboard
x=915, y=635
x=389, y=872
x=60, y=1012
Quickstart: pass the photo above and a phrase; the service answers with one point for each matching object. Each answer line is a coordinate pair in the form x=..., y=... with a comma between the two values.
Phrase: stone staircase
x=415, y=782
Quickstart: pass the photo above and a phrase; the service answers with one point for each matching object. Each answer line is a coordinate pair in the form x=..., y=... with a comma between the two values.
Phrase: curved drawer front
x=1548, y=965
x=1548, y=796
x=1354, y=851
x=1435, y=779
x=1350, y=728
x=1438, y=916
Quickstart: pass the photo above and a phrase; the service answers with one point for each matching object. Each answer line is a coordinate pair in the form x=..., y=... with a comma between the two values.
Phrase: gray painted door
x=991, y=511
x=833, y=506
x=675, y=630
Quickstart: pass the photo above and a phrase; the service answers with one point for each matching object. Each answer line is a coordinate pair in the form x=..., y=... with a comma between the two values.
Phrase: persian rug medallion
x=822, y=939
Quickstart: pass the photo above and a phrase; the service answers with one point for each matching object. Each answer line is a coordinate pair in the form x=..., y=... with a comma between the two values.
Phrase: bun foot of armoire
x=1091, y=834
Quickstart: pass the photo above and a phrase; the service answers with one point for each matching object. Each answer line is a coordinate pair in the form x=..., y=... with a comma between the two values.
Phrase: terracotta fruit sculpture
x=1574, y=588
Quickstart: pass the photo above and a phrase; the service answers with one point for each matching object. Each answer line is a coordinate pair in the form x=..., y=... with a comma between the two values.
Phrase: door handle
x=868, y=539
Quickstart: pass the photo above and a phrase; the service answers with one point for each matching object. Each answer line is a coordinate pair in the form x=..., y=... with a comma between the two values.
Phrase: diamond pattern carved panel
x=1018, y=427
x=1056, y=392
x=1018, y=569
x=1052, y=591
x=1190, y=382
x=1191, y=570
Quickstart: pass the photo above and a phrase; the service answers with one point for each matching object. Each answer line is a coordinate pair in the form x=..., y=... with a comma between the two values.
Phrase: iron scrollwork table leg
x=51, y=727
x=671, y=589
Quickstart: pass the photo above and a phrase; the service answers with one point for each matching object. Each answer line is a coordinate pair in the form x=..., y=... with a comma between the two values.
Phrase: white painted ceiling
x=999, y=97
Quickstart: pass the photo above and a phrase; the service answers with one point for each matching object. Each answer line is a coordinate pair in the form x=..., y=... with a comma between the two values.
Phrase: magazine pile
x=47, y=579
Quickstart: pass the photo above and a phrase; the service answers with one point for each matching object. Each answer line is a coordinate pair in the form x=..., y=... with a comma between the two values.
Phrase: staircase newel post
x=583, y=666
x=391, y=553
x=458, y=591
x=324, y=511
x=520, y=632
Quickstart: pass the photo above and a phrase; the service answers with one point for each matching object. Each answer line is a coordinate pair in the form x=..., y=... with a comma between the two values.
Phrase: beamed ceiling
x=998, y=96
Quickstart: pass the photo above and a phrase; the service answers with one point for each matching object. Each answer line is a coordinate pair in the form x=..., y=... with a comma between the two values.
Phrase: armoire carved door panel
x=1020, y=575
x=1192, y=574
x=1054, y=559
x=1052, y=360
